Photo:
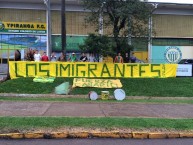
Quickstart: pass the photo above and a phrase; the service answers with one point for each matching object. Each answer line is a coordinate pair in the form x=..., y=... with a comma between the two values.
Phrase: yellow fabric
x=97, y=83
x=91, y=70
x=44, y=79
x=108, y=59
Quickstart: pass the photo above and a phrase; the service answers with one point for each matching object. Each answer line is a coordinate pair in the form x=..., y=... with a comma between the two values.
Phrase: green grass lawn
x=32, y=123
x=169, y=87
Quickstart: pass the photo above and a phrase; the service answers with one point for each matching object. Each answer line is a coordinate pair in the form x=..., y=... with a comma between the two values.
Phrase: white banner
x=184, y=70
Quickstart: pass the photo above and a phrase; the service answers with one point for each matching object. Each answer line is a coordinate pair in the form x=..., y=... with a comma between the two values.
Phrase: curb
x=86, y=96
x=114, y=134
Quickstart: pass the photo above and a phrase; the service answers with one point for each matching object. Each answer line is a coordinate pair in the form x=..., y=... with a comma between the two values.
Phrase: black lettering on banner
x=141, y=71
x=102, y=83
x=41, y=65
x=27, y=69
x=77, y=69
x=56, y=66
x=75, y=82
x=42, y=26
x=17, y=25
x=72, y=69
x=65, y=68
x=87, y=70
x=77, y=79
x=85, y=85
x=110, y=84
x=86, y=82
x=105, y=70
x=21, y=26
x=131, y=70
x=121, y=72
x=91, y=69
x=83, y=80
x=17, y=70
x=89, y=80
x=96, y=83
x=154, y=70
x=163, y=70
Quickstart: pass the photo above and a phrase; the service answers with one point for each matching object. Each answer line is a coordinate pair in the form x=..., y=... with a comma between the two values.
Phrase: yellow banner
x=96, y=83
x=91, y=70
x=24, y=25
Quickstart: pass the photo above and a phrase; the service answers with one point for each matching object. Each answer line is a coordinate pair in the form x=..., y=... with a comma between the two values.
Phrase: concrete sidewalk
x=95, y=109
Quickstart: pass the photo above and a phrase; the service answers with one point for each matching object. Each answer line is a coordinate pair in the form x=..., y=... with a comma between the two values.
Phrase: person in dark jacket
x=126, y=58
x=17, y=55
x=133, y=58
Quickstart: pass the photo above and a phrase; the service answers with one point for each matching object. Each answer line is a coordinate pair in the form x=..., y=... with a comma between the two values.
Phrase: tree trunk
x=116, y=38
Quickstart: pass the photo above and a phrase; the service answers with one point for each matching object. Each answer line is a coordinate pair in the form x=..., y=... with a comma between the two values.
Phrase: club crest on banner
x=173, y=54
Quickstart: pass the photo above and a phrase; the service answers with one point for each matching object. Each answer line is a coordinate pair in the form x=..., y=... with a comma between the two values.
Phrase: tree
x=98, y=45
x=125, y=17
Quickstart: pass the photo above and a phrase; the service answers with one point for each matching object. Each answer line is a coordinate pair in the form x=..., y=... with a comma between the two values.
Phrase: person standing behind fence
x=72, y=57
x=133, y=58
x=62, y=57
x=31, y=54
x=91, y=58
x=100, y=58
x=45, y=57
x=126, y=58
x=17, y=55
x=37, y=56
x=53, y=57
x=83, y=58
x=118, y=58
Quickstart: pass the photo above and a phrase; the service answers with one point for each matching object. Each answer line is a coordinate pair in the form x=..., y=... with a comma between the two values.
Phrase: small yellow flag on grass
x=97, y=83
x=43, y=79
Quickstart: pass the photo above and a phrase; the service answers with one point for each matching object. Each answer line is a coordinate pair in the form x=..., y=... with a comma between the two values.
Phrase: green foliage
x=100, y=45
x=104, y=45
x=125, y=47
x=126, y=17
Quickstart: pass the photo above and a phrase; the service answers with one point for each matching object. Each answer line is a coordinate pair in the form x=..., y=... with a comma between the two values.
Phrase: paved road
x=95, y=109
x=99, y=142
